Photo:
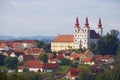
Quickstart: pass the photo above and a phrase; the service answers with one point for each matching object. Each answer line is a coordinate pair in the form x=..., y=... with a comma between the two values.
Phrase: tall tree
x=11, y=62
x=114, y=32
x=107, y=45
x=1, y=60
x=65, y=61
x=43, y=57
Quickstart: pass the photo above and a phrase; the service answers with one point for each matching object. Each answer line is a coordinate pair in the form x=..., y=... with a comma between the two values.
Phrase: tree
x=114, y=32
x=118, y=50
x=3, y=76
x=11, y=62
x=65, y=61
x=86, y=75
x=43, y=57
x=1, y=60
x=107, y=45
x=44, y=45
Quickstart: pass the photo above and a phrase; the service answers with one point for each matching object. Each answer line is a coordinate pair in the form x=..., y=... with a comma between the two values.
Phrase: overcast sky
x=51, y=17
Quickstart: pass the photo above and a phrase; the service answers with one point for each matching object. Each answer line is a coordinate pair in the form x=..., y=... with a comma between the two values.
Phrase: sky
x=53, y=17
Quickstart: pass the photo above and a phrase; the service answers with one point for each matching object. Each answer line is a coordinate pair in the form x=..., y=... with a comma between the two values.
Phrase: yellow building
x=62, y=42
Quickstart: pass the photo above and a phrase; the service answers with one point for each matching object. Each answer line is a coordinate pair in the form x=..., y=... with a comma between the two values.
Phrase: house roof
x=94, y=35
x=98, y=56
x=34, y=50
x=50, y=56
x=33, y=64
x=60, y=56
x=86, y=59
x=29, y=41
x=64, y=38
x=20, y=67
x=28, y=57
x=75, y=56
x=87, y=52
x=106, y=56
x=74, y=71
x=50, y=66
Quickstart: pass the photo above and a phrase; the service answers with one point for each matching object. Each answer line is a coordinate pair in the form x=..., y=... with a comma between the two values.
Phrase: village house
x=39, y=66
x=73, y=73
x=34, y=51
x=29, y=43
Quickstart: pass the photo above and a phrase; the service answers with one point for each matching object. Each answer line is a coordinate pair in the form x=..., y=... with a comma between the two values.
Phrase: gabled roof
x=87, y=52
x=94, y=35
x=75, y=56
x=64, y=38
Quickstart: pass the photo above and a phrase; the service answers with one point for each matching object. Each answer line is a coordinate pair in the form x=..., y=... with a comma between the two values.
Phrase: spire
x=99, y=23
x=86, y=22
x=77, y=23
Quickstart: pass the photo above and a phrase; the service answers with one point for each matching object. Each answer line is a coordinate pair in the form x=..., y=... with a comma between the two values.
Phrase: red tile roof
x=29, y=41
x=50, y=56
x=59, y=56
x=75, y=56
x=20, y=67
x=73, y=71
x=50, y=66
x=86, y=60
x=33, y=64
x=34, y=50
x=98, y=57
x=64, y=38
x=106, y=56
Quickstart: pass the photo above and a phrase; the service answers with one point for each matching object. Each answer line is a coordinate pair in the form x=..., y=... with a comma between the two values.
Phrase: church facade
x=83, y=37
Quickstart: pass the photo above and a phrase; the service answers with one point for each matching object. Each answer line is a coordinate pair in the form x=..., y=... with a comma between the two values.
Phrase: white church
x=82, y=37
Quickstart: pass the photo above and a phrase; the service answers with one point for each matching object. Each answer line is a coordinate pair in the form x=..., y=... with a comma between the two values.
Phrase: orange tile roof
x=75, y=56
x=64, y=38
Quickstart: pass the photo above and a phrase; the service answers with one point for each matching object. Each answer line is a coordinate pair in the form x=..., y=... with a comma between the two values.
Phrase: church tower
x=99, y=28
x=86, y=34
x=76, y=32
